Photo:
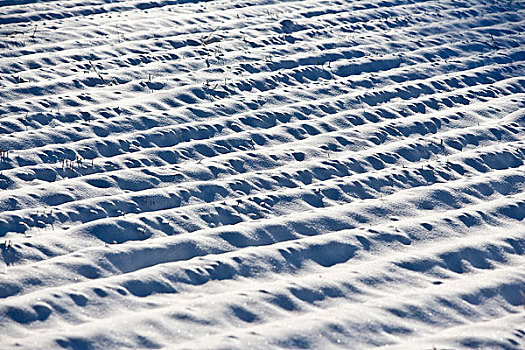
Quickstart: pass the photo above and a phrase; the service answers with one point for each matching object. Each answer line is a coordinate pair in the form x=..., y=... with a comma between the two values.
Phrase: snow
x=262, y=174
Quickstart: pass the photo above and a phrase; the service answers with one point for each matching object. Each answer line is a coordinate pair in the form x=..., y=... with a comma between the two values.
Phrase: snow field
x=262, y=174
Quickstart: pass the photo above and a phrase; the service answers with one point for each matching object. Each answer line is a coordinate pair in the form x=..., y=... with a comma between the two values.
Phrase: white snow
x=262, y=174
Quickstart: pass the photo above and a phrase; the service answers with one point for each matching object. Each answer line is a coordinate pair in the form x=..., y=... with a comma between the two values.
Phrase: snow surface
x=262, y=174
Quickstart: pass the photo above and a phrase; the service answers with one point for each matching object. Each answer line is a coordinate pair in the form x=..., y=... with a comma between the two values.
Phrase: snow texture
x=262, y=174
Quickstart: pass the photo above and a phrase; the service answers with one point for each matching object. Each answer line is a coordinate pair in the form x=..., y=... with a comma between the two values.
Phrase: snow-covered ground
x=262, y=174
